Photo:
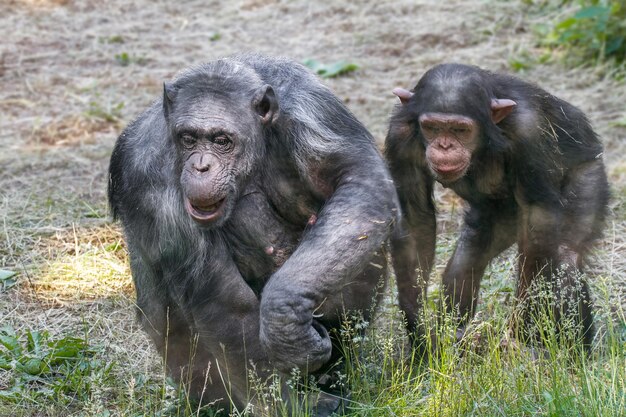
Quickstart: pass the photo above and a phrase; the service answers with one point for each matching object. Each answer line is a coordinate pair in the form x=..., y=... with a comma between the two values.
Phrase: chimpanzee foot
x=332, y=397
x=324, y=404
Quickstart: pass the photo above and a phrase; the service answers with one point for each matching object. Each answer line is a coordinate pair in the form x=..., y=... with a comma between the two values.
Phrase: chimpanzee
x=530, y=168
x=255, y=208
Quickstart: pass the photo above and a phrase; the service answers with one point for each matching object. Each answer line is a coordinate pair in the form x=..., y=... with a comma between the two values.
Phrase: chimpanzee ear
x=500, y=108
x=168, y=97
x=403, y=95
x=265, y=104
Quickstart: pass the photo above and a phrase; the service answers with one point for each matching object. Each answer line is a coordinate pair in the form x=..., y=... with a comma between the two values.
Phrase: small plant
x=7, y=279
x=111, y=113
x=111, y=39
x=63, y=370
x=331, y=70
x=595, y=30
x=125, y=59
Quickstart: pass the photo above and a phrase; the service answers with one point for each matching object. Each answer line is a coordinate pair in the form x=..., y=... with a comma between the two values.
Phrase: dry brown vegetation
x=73, y=72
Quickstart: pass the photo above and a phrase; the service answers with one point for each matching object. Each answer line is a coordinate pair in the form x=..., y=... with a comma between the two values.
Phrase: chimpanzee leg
x=539, y=261
x=573, y=307
x=413, y=249
x=485, y=234
x=413, y=245
x=187, y=361
x=160, y=317
x=226, y=318
x=553, y=243
x=586, y=193
x=550, y=284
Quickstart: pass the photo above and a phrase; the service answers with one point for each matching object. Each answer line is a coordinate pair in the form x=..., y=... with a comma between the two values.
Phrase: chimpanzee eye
x=459, y=130
x=430, y=129
x=187, y=140
x=222, y=140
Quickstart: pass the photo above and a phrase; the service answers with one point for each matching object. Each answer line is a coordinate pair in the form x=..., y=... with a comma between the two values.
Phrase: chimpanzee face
x=450, y=140
x=219, y=139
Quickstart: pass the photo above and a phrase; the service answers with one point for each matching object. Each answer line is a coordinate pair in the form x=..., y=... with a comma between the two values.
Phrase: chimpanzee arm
x=354, y=222
x=487, y=231
x=541, y=210
x=413, y=244
x=159, y=316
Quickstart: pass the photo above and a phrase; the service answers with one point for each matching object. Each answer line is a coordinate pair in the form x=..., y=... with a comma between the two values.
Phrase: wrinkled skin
x=450, y=141
x=529, y=167
x=255, y=207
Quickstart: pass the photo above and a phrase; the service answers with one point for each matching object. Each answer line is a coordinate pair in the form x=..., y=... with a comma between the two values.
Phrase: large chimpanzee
x=254, y=206
x=530, y=168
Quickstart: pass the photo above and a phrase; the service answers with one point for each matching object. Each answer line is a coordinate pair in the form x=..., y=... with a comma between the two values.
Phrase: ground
x=74, y=72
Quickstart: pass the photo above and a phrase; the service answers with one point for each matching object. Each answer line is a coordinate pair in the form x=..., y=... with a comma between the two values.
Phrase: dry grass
x=82, y=265
x=64, y=96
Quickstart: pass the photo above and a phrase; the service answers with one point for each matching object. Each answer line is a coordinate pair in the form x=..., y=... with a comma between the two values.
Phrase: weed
x=592, y=31
x=111, y=39
x=331, y=70
x=125, y=59
x=7, y=279
x=111, y=113
x=63, y=370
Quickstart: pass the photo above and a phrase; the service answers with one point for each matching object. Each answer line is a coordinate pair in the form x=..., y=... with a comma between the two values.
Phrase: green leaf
x=7, y=281
x=66, y=348
x=33, y=366
x=330, y=70
x=592, y=12
x=614, y=45
x=566, y=24
x=339, y=68
x=618, y=123
x=12, y=344
x=35, y=341
x=113, y=247
x=6, y=274
x=123, y=59
x=314, y=65
x=518, y=65
x=5, y=363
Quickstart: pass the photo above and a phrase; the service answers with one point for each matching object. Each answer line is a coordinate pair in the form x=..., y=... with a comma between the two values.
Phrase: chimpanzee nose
x=201, y=166
x=445, y=143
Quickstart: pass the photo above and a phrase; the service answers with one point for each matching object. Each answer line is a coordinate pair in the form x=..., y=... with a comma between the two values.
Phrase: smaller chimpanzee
x=530, y=168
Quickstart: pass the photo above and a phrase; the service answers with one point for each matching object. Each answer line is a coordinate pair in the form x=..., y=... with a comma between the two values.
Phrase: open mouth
x=205, y=213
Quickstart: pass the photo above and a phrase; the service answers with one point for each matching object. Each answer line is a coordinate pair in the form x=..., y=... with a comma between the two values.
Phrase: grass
x=77, y=372
x=65, y=95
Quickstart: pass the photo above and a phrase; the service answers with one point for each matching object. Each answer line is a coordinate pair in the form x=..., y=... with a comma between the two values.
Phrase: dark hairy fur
x=309, y=205
x=536, y=179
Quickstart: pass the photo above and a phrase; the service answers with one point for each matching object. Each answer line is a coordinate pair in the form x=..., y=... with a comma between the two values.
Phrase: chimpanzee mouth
x=450, y=173
x=205, y=213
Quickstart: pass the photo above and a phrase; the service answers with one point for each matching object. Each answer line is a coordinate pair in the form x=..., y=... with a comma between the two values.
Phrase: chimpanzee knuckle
x=289, y=334
x=295, y=345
